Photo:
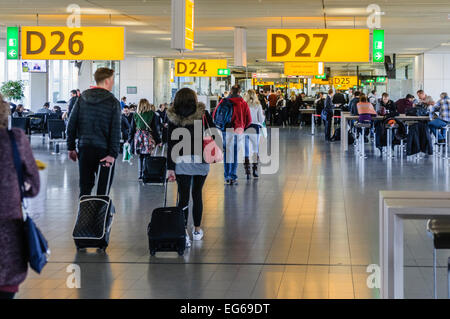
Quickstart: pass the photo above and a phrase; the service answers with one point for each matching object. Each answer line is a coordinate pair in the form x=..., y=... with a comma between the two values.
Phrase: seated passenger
x=45, y=109
x=20, y=111
x=57, y=111
x=442, y=106
x=365, y=109
x=385, y=105
x=405, y=104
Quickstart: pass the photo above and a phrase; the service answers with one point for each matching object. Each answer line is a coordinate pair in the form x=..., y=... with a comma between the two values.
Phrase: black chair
x=56, y=132
x=20, y=122
x=439, y=229
x=38, y=123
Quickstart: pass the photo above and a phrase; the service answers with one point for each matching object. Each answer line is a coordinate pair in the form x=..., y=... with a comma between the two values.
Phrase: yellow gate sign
x=303, y=68
x=199, y=68
x=64, y=43
x=325, y=45
x=345, y=82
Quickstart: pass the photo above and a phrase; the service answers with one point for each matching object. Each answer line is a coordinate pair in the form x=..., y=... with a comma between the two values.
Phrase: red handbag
x=211, y=152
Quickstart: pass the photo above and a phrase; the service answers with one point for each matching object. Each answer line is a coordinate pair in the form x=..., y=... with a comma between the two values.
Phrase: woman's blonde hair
x=144, y=106
x=4, y=112
x=293, y=96
x=251, y=98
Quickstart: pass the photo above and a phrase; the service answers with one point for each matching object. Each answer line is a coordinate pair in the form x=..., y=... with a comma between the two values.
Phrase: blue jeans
x=230, y=164
x=253, y=140
x=436, y=124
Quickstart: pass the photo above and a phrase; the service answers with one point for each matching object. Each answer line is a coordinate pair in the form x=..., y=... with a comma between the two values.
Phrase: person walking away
x=95, y=122
x=164, y=125
x=273, y=98
x=282, y=110
x=73, y=99
x=339, y=99
x=292, y=112
x=252, y=134
x=145, y=133
x=442, y=106
x=327, y=114
x=320, y=104
x=13, y=249
x=232, y=139
x=187, y=167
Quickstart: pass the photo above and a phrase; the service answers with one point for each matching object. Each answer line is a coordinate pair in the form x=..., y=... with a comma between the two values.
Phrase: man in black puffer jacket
x=95, y=122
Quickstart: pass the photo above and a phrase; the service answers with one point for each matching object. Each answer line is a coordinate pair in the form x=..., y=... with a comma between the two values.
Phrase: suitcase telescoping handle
x=155, y=152
x=108, y=185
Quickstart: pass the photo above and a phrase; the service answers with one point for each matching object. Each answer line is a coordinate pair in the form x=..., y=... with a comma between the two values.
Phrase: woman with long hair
x=252, y=133
x=13, y=250
x=145, y=133
x=187, y=166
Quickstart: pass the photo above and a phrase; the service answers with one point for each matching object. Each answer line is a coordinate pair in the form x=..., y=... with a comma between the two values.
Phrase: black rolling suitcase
x=155, y=169
x=94, y=220
x=166, y=231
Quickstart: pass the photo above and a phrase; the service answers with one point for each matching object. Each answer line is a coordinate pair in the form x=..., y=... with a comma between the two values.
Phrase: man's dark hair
x=420, y=92
x=385, y=95
x=124, y=98
x=357, y=93
x=409, y=96
x=374, y=91
x=74, y=92
x=46, y=104
x=236, y=89
x=102, y=74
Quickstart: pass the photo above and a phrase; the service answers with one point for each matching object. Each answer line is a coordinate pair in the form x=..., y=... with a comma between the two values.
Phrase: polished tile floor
x=309, y=231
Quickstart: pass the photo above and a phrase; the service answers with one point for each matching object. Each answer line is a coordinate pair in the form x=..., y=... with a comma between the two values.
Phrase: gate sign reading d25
x=345, y=82
x=64, y=43
x=200, y=68
x=318, y=45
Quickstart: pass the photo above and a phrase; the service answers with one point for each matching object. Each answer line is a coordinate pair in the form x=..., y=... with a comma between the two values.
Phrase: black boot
x=141, y=166
x=255, y=170
x=247, y=167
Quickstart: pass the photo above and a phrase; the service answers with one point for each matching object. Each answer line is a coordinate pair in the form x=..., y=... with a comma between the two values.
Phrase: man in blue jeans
x=442, y=106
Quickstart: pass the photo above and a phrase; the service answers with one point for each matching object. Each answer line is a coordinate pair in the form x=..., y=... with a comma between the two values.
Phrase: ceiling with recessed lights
x=411, y=26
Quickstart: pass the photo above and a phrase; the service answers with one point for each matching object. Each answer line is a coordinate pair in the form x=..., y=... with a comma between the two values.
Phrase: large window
x=63, y=78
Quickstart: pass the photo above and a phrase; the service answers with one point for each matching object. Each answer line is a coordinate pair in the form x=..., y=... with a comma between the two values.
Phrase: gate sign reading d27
x=318, y=45
x=64, y=43
x=200, y=68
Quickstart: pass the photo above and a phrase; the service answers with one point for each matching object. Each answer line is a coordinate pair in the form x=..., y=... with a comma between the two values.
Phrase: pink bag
x=211, y=152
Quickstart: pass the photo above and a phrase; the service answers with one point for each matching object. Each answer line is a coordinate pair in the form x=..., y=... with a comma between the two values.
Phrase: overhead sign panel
x=378, y=46
x=64, y=43
x=183, y=25
x=12, y=43
x=345, y=82
x=200, y=68
x=303, y=68
x=319, y=45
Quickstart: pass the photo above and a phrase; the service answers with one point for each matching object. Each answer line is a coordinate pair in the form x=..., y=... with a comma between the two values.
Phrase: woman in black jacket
x=185, y=160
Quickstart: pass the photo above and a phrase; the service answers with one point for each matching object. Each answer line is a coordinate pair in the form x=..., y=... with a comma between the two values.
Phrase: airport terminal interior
x=349, y=203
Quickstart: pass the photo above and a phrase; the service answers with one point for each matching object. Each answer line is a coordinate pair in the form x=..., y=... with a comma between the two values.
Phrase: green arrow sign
x=223, y=72
x=378, y=46
x=12, y=43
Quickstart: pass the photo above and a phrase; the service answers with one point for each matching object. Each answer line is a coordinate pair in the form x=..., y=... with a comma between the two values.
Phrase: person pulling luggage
x=144, y=132
x=95, y=122
x=187, y=165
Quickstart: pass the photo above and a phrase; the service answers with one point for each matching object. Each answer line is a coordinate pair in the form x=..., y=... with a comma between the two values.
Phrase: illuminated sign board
x=303, y=68
x=12, y=43
x=200, y=68
x=64, y=43
x=378, y=46
x=345, y=82
x=318, y=45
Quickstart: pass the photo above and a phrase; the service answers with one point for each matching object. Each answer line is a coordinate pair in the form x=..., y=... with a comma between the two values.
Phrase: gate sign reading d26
x=64, y=43
x=200, y=68
x=318, y=45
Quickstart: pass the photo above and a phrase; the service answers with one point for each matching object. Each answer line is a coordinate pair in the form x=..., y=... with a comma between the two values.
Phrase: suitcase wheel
x=180, y=252
x=152, y=252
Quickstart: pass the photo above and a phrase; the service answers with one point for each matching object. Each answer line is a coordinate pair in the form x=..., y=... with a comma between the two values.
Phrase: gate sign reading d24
x=318, y=45
x=201, y=68
x=64, y=43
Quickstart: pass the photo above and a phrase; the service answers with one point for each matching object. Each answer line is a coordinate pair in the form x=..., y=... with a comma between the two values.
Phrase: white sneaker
x=188, y=241
x=197, y=235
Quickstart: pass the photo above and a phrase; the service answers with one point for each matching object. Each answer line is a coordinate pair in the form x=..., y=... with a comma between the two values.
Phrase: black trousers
x=184, y=192
x=88, y=162
x=7, y=295
x=328, y=123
